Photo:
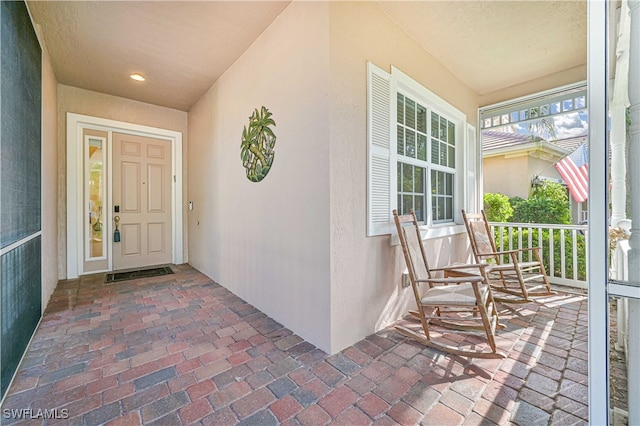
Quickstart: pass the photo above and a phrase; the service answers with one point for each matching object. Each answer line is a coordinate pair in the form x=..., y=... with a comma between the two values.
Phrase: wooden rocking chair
x=460, y=303
x=521, y=280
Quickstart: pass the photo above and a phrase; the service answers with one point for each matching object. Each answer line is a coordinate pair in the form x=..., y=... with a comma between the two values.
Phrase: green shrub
x=549, y=203
x=497, y=208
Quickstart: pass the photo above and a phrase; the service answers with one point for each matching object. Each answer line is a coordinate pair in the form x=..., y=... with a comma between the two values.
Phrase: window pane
x=441, y=183
x=422, y=119
x=418, y=180
x=435, y=151
x=544, y=110
x=399, y=184
x=400, y=106
x=443, y=129
x=435, y=124
x=443, y=154
x=407, y=204
x=400, y=209
x=449, y=183
x=422, y=147
x=410, y=146
x=410, y=113
x=535, y=112
x=452, y=157
x=439, y=208
x=434, y=182
x=448, y=209
x=95, y=188
x=419, y=207
x=400, y=133
x=451, y=129
x=407, y=178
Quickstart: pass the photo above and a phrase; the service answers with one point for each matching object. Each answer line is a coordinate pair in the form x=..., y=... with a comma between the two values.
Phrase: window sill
x=432, y=233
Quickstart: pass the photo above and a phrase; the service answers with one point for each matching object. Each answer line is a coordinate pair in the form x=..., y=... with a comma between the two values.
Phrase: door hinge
x=174, y=178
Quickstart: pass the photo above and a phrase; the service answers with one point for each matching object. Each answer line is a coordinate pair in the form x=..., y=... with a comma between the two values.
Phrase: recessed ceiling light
x=137, y=77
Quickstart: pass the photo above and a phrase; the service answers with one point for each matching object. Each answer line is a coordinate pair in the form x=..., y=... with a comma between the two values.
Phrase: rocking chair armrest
x=453, y=280
x=493, y=253
x=463, y=266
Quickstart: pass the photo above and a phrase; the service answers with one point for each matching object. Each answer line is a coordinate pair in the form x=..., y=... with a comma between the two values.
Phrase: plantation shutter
x=471, y=186
x=379, y=152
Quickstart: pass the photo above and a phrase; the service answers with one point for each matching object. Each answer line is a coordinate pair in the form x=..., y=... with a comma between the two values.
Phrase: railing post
x=563, y=262
x=574, y=252
x=552, y=267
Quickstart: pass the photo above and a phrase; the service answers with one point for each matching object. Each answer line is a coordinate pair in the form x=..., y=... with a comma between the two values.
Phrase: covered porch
x=283, y=298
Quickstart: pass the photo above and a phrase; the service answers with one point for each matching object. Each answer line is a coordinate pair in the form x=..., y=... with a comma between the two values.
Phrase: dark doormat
x=134, y=275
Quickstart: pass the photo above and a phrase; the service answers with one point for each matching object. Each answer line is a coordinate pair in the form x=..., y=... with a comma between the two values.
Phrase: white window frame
x=399, y=82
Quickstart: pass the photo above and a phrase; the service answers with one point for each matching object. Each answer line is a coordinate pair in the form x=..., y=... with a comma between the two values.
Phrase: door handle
x=116, y=232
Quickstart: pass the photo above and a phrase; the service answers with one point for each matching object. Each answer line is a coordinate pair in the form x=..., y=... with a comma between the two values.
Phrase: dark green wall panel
x=20, y=126
x=21, y=304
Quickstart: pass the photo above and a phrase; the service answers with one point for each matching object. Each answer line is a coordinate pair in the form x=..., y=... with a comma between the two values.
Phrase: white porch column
x=633, y=363
x=617, y=111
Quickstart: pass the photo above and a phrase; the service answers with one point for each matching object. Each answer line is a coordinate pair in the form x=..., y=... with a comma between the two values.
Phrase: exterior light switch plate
x=405, y=280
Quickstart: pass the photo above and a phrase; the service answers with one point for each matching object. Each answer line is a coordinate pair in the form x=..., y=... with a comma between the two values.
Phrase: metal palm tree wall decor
x=258, y=141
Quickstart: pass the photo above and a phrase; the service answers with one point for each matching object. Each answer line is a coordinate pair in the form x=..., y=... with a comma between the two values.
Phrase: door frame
x=75, y=185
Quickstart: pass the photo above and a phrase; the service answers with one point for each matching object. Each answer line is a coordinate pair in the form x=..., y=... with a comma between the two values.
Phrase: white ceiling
x=491, y=45
x=183, y=47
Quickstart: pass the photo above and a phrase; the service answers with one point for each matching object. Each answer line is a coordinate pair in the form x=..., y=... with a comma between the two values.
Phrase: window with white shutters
x=415, y=148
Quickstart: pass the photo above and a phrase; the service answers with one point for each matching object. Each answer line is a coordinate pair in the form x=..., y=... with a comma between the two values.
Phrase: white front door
x=141, y=202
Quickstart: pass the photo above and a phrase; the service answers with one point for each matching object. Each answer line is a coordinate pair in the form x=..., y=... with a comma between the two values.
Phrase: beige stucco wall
x=268, y=242
x=512, y=175
x=366, y=294
x=86, y=102
x=507, y=176
x=543, y=167
x=49, y=179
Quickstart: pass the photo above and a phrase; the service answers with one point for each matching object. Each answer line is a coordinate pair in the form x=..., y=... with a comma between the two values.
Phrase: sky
x=571, y=125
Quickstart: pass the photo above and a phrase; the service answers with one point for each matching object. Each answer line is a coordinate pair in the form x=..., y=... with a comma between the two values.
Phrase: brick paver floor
x=181, y=349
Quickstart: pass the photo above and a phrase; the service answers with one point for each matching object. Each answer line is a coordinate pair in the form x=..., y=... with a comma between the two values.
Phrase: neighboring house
x=512, y=164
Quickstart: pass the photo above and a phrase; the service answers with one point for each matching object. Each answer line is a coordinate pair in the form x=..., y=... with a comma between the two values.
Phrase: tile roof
x=494, y=140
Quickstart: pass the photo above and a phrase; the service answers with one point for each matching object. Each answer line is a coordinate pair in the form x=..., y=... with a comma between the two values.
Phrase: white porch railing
x=562, y=247
x=620, y=271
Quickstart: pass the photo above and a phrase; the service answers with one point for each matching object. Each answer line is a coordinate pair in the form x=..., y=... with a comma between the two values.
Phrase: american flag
x=575, y=172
